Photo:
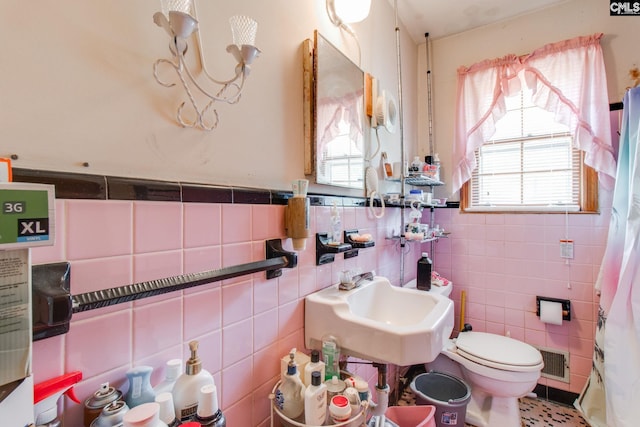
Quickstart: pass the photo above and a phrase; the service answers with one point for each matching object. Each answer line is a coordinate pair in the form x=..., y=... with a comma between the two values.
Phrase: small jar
x=144, y=415
x=339, y=408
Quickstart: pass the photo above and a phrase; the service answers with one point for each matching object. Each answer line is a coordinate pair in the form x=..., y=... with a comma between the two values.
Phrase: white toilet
x=498, y=369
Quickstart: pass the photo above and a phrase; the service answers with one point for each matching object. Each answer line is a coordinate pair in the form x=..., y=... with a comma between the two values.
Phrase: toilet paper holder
x=566, y=306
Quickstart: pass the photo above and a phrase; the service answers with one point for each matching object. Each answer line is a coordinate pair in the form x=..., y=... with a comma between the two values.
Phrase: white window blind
x=529, y=164
x=343, y=160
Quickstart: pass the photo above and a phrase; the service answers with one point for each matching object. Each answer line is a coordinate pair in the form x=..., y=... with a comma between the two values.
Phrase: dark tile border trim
x=68, y=185
x=205, y=194
x=98, y=187
x=134, y=189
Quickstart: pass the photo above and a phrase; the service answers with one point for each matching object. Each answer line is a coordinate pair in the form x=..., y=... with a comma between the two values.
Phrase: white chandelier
x=180, y=24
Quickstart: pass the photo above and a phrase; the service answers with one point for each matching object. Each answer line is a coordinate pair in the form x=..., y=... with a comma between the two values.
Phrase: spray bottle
x=46, y=395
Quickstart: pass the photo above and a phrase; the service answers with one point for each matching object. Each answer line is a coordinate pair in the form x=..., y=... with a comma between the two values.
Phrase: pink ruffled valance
x=566, y=78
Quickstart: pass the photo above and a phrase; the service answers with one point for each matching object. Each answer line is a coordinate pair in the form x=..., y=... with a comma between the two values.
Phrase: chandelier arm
x=185, y=123
x=229, y=100
x=236, y=97
x=155, y=71
x=216, y=119
x=201, y=54
x=179, y=69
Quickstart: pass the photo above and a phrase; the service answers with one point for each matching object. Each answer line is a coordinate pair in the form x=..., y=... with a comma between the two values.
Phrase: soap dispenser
x=290, y=393
x=46, y=395
x=187, y=387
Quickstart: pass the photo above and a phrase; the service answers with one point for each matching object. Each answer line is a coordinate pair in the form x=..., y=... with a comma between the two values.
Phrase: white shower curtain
x=614, y=382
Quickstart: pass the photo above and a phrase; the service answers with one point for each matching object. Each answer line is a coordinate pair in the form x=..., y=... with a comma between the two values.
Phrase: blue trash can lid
x=442, y=387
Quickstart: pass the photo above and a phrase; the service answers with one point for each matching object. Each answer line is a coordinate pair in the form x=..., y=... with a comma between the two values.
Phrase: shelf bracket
x=274, y=250
x=354, y=244
x=325, y=253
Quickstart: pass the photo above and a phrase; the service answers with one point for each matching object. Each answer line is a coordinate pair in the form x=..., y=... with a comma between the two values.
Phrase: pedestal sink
x=380, y=322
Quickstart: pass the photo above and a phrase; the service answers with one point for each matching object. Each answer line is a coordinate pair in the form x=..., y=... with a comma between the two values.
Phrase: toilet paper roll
x=551, y=312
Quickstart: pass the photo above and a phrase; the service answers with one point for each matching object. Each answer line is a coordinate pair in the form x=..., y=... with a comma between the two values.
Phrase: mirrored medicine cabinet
x=334, y=116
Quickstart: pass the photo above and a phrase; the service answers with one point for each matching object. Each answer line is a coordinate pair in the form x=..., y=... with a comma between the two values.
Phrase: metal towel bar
x=277, y=258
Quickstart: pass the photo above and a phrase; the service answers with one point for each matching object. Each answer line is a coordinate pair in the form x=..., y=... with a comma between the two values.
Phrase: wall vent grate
x=556, y=364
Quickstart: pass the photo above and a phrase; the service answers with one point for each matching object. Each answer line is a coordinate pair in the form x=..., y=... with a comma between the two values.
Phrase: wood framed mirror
x=334, y=116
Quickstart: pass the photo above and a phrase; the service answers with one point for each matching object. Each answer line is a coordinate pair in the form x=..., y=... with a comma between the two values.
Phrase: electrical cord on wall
x=346, y=28
x=377, y=147
x=371, y=181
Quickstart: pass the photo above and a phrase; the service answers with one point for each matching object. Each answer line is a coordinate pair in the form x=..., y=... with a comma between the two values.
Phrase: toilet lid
x=498, y=351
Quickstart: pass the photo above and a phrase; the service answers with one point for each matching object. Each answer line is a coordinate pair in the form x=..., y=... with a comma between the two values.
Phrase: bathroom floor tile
x=533, y=412
x=540, y=412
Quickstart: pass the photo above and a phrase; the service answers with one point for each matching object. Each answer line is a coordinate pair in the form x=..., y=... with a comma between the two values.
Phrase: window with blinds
x=529, y=164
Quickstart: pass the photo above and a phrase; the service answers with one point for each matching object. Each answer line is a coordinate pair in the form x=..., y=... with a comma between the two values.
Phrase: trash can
x=447, y=393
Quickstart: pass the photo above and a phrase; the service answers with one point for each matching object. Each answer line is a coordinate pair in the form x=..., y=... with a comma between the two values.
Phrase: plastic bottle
x=172, y=370
x=187, y=387
x=416, y=165
x=167, y=411
x=140, y=390
x=314, y=365
x=46, y=395
x=300, y=358
x=315, y=401
x=330, y=356
x=436, y=163
x=290, y=392
x=209, y=414
x=423, y=278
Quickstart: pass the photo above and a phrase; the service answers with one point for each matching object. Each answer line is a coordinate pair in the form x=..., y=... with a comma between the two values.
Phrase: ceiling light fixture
x=180, y=24
x=342, y=12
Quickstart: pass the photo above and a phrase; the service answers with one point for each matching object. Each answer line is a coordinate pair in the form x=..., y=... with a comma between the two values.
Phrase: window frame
x=588, y=188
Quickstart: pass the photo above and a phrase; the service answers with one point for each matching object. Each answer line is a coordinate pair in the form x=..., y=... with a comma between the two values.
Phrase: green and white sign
x=26, y=215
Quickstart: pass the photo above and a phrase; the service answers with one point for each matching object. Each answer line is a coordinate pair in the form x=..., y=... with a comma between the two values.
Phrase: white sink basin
x=380, y=322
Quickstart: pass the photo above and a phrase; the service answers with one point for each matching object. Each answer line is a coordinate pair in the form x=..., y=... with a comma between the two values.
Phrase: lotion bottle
x=172, y=370
x=290, y=392
x=314, y=365
x=315, y=401
x=187, y=387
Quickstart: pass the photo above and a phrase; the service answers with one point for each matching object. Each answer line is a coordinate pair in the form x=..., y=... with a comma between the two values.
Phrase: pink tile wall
x=246, y=324
x=503, y=261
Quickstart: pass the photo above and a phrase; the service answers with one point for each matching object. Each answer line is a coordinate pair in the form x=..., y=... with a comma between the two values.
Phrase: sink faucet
x=348, y=282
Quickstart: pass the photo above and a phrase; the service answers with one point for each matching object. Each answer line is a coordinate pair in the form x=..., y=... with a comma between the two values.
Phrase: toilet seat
x=499, y=352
